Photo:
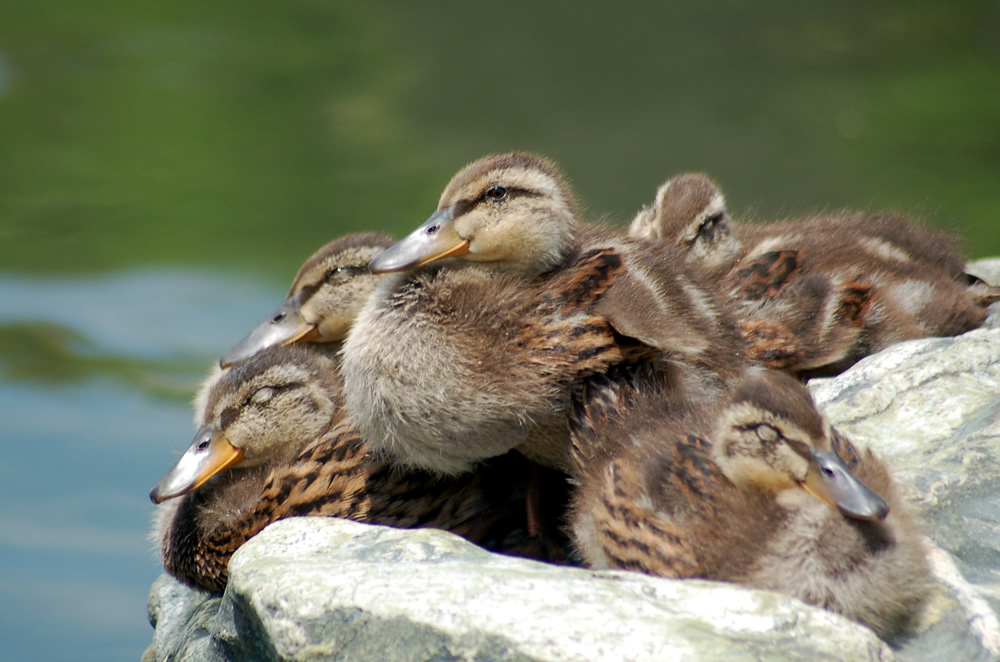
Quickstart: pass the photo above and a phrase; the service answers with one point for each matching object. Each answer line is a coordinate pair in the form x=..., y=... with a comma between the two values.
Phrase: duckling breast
x=440, y=373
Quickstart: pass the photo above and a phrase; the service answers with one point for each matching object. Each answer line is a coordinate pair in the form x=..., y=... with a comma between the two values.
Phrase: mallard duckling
x=689, y=212
x=814, y=295
x=266, y=451
x=325, y=297
x=455, y=360
x=258, y=413
x=758, y=490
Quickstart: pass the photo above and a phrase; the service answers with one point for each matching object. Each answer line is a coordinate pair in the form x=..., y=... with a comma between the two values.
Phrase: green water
x=166, y=166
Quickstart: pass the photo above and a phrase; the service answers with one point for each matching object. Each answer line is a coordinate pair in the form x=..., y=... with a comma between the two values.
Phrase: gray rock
x=182, y=618
x=931, y=409
x=989, y=271
x=310, y=589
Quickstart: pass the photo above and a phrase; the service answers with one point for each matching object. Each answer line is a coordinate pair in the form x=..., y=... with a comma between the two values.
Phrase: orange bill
x=208, y=454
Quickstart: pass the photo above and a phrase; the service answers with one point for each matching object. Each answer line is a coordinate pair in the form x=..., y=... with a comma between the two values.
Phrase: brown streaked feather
x=855, y=300
x=340, y=476
x=770, y=343
x=591, y=274
x=626, y=533
x=766, y=275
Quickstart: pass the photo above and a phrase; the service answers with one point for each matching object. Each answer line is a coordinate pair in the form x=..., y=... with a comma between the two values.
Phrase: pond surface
x=166, y=166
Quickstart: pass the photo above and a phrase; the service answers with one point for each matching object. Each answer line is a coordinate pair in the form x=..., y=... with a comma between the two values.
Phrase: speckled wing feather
x=770, y=343
x=767, y=275
x=591, y=274
x=339, y=476
x=563, y=337
x=855, y=300
x=687, y=478
x=632, y=537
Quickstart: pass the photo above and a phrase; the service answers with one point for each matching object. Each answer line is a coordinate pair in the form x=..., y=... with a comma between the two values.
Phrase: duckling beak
x=284, y=327
x=832, y=481
x=435, y=240
x=208, y=454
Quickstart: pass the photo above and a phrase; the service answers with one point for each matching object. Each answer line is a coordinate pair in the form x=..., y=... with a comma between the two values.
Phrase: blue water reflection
x=81, y=454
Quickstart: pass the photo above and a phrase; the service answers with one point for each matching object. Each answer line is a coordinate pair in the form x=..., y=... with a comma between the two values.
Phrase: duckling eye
x=709, y=226
x=262, y=395
x=341, y=273
x=766, y=433
x=496, y=194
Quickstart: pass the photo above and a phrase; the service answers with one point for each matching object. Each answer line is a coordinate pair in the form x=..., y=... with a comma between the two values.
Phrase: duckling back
x=814, y=295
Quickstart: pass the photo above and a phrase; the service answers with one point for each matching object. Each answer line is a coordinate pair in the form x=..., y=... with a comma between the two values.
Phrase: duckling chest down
x=449, y=367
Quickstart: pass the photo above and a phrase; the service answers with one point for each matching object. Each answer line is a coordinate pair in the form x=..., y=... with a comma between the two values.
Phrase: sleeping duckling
x=689, y=212
x=497, y=304
x=289, y=395
x=813, y=296
x=271, y=447
x=325, y=297
x=322, y=303
x=758, y=490
x=254, y=416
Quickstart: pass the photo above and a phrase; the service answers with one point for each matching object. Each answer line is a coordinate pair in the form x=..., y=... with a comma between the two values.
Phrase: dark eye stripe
x=345, y=271
x=468, y=204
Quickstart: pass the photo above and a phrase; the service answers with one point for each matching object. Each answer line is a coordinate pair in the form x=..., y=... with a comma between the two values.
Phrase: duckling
x=273, y=445
x=756, y=489
x=497, y=304
x=689, y=212
x=325, y=297
x=273, y=405
x=254, y=416
x=814, y=295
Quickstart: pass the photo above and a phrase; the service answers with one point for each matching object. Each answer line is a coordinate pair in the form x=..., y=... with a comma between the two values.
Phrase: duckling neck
x=817, y=548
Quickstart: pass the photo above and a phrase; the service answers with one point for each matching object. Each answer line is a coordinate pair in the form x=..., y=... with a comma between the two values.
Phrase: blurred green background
x=244, y=135
x=166, y=166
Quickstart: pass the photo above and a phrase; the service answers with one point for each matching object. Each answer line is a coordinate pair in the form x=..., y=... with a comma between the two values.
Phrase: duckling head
x=257, y=413
x=690, y=212
x=325, y=298
x=771, y=436
x=514, y=211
